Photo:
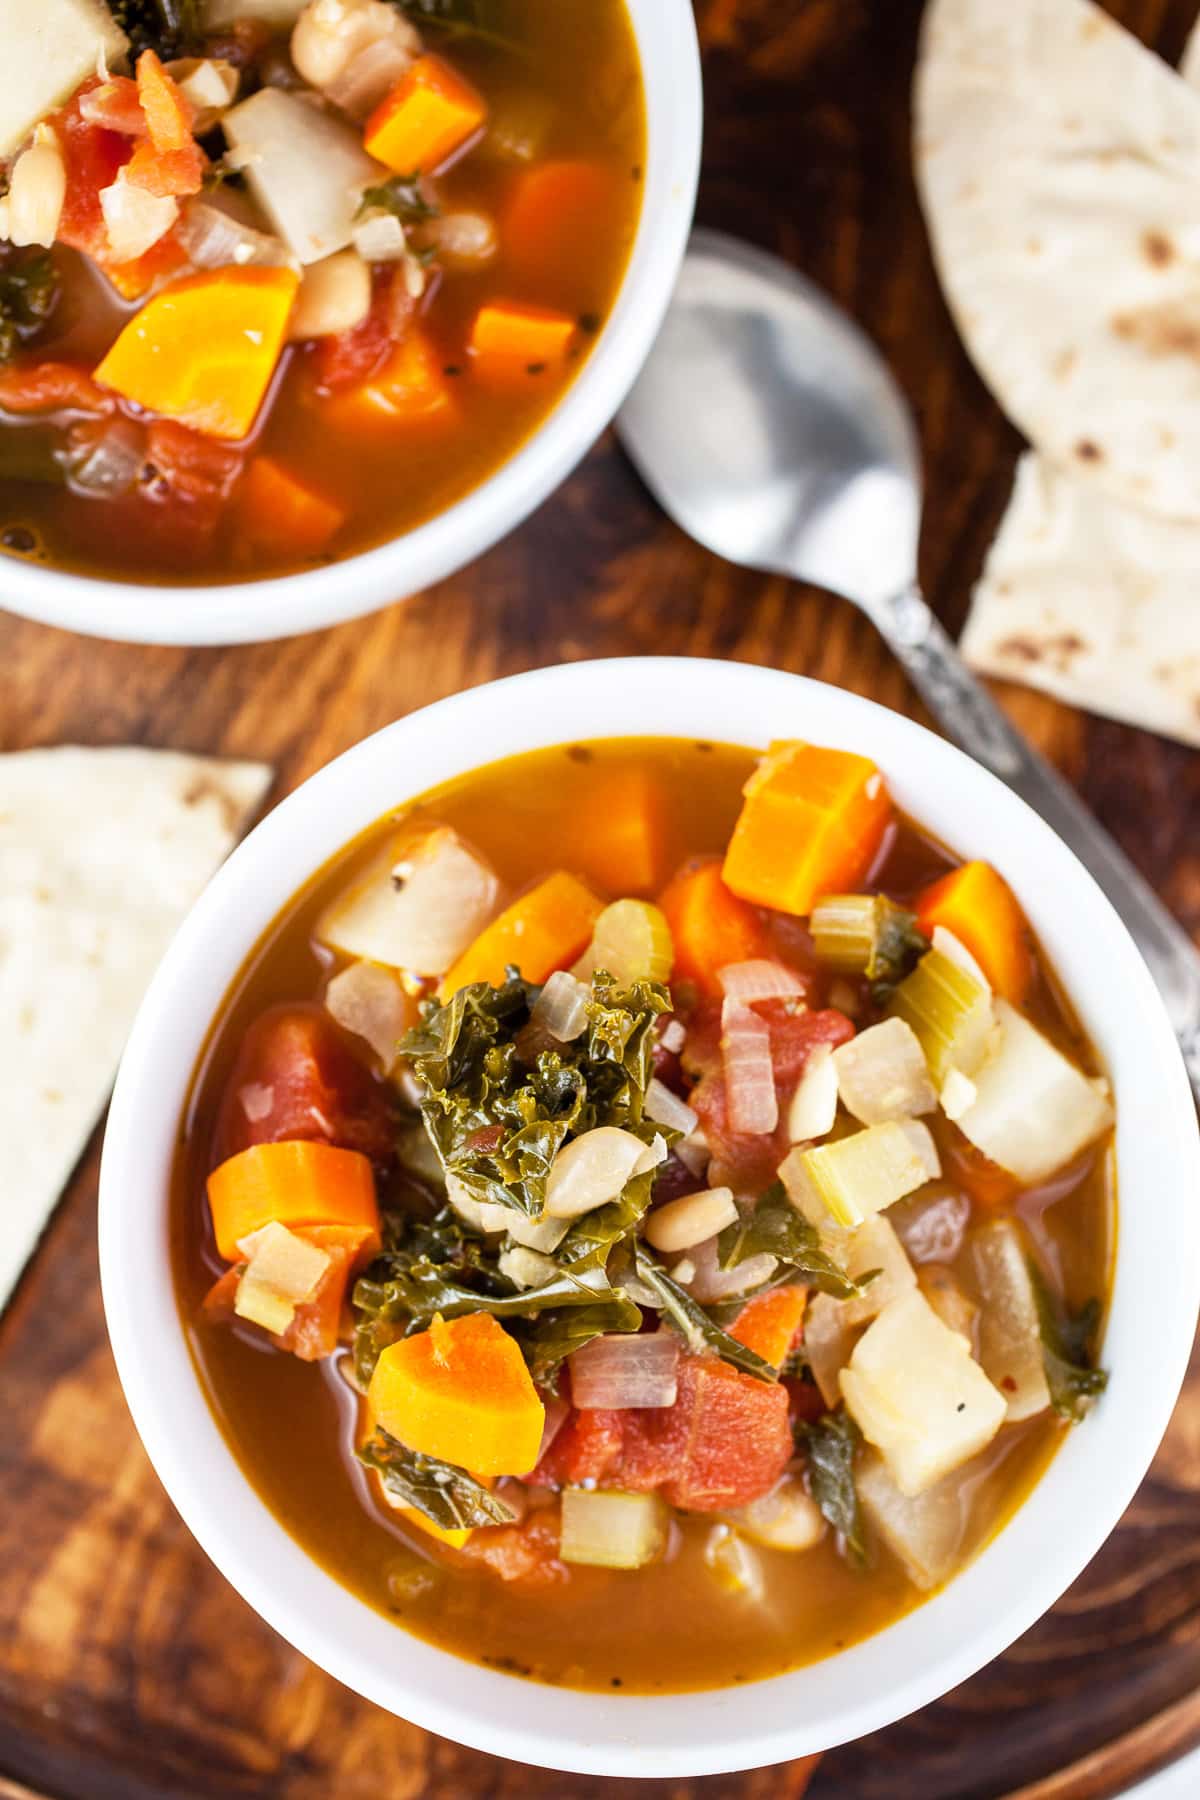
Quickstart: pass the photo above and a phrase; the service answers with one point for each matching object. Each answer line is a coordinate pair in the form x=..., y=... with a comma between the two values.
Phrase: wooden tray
x=128, y=1669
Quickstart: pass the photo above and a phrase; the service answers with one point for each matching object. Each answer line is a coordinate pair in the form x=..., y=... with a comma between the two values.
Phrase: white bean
x=467, y=239
x=335, y=295
x=681, y=1224
x=36, y=190
x=329, y=32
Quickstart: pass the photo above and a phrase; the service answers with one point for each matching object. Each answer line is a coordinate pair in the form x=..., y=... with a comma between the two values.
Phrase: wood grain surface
x=128, y=1669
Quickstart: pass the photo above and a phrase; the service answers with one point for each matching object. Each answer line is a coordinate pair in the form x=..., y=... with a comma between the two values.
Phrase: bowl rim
x=286, y=605
x=1029, y=1562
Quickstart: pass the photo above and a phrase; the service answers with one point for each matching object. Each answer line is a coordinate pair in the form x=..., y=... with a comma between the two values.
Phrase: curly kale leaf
x=443, y=1493
x=170, y=28
x=699, y=1332
x=400, y=195
x=1068, y=1350
x=776, y=1228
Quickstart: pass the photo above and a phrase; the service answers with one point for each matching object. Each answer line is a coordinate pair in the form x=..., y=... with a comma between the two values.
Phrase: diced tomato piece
x=133, y=279
x=354, y=356
x=218, y=1303
x=93, y=156
x=587, y=1448
x=296, y=1077
x=725, y=1441
x=806, y=1403
x=527, y=1552
x=52, y=387
x=193, y=478
x=794, y=1037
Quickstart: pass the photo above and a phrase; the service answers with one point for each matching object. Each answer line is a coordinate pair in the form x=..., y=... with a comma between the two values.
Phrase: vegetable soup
x=645, y=1213
x=283, y=279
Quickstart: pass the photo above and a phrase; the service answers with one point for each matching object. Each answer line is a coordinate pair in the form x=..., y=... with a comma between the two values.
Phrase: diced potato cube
x=882, y=1074
x=305, y=167
x=845, y=1182
x=925, y=1531
x=1033, y=1109
x=49, y=49
x=1010, y=1337
x=417, y=907
x=917, y=1395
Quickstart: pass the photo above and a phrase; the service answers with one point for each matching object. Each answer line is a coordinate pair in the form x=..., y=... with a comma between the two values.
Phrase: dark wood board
x=129, y=1670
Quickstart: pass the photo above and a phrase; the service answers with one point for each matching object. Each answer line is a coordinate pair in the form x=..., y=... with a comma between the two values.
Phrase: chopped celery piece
x=632, y=940
x=882, y=1074
x=865, y=934
x=1033, y=1109
x=282, y=1270
x=1010, y=1335
x=845, y=1182
x=950, y=1013
x=612, y=1531
x=925, y=1532
x=915, y=1392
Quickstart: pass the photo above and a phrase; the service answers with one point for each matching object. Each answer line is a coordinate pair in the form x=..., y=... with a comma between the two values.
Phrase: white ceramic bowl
x=1043, y=1548
x=248, y=612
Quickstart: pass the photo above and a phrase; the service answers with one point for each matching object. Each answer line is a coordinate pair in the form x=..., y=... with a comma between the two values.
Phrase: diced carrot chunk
x=280, y=515
x=711, y=927
x=455, y=1536
x=618, y=833
x=555, y=212
x=769, y=1322
x=168, y=112
x=408, y=390
x=527, y=1552
x=978, y=906
x=167, y=173
x=546, y=929
x=204, y=349
x=294, y=1182
x=811, y=823
x=509, y=342
x=461, y=1392
x=429, y=114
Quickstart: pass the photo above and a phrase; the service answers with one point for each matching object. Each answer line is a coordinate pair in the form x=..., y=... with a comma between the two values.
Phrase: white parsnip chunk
x=882, y=1074
x=418, y=906
x=1033, y=1109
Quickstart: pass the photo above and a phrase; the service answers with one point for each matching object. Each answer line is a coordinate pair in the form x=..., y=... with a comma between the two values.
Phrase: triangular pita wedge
x=1059, y=165
x=101, y=854
x=1095, y=602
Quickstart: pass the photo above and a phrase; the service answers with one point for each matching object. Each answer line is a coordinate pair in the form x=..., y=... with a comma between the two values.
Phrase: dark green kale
x=832, y=1443
x=776, y=1228
x=458, y=18
x=698, y=1330
x=29, y=289
x=170, y=28
x=899, y=942
x=445, y=1494
x=401, y=196
x=1068, y=1350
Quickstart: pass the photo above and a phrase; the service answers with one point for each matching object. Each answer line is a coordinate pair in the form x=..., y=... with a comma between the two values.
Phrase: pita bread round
x=1059, y=166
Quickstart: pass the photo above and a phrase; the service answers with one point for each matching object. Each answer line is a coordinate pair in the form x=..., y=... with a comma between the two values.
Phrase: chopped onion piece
x=693, y=1152
x=632, y=940
x=369, y=77
x=916, y=1394
x=214, y=239
x=950, y=1012
x=209, y=83
x=666, y=1108
x=760, y=979
x=958, y=1093
x=1033, y=1110
x=562, y=1008
x=882, y=1074
x=673, y=1036
x=1010, y=1338
x=609, y=1530
x=104, y=464
x=749, y=1075
x=955, y=951
x=620, y=1372
x=813, y=1105
x=134, y=220
x=418, y=906
x=924, y=1532
x=785, y=1519
x=710, y=1283
x=281, y=1271
x=680, y=1224
x=368, y=1001
x=844, y=1182
x=591, y=1170
x=734, y=1563
x=932, y=1227
x=380, y=237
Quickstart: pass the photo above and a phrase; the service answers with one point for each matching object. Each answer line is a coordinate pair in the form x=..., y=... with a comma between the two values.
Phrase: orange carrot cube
x=429, y=114
x=812, y=823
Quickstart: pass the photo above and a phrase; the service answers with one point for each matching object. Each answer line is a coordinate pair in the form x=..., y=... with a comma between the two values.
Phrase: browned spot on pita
x=1034, y=246
x=1004, y=587
x=203, y=789
x=1158, y=249
x=1166, y=438
x=968, y=190
x=1170, y=330
x=1057, y=651
x=1063, y=363
x=1087, y=451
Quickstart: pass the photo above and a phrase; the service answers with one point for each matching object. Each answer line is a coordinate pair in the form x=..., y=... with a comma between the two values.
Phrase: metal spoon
x=770, y=429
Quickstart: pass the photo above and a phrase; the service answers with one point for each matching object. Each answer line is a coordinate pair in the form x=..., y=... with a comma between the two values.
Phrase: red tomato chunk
x=296, y=1077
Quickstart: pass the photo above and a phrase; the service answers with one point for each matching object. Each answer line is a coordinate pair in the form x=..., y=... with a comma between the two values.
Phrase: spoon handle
x=969, y=715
